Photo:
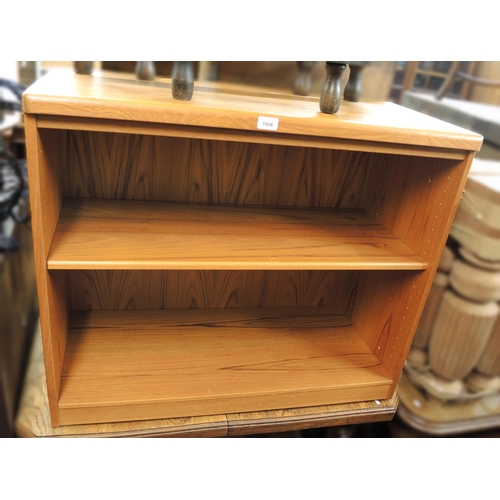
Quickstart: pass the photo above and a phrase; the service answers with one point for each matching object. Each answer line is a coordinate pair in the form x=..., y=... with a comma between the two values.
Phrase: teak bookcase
x=189, y=263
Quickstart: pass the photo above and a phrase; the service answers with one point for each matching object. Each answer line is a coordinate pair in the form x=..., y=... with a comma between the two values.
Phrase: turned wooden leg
x=303, y=81
x=352, y=91
x=331, y=96
x=83, y=67
x=145, y=70
x=182, y=81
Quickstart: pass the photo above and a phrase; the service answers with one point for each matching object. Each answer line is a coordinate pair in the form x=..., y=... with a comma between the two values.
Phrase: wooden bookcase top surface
x=65, y=94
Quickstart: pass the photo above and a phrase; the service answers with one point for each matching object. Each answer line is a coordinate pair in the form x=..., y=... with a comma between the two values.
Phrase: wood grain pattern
x=124, y=166
x=472, y=258
x=489, y=363
x=130, y=365
x=479, y=285
x=44, y=160
x=33, y=418
x=126, y=150
x=471, y=233
x=108, y=234
x=63, y=93
x=459, y=336
x=130, y=290
x=417, y=204
x=424, y=191
x=424, y=329
x=386, y=323
x=219, y=134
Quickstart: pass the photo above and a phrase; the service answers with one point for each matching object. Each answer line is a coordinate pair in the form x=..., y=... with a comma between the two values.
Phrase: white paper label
x=267, y=123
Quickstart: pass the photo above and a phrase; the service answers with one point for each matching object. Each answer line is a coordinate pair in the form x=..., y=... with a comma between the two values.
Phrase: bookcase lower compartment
x=139, y=365
x=143, y=345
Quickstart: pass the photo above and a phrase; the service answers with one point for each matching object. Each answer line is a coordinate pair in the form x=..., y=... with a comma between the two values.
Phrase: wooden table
x=33, y=417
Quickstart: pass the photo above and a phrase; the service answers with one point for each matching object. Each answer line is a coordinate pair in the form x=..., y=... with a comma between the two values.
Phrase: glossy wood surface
x=33, y=419
x=130, y=290
x=246, y=136
x=344, y=216
x=108, y=234
x=418, y=205
x=67, y=94
x=44, y=161
x=141, y=167
x=172, y=363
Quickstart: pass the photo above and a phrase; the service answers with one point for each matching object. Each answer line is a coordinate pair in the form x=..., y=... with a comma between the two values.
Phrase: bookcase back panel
x=137, y=167
x=129, y=290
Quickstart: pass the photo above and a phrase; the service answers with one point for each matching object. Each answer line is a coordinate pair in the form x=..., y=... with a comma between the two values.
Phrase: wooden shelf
x=124, y=234
x=157, y=364
x=33, y=418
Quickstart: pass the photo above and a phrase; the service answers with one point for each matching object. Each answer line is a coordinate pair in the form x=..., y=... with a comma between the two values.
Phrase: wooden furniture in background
x=332, y=93
x=434, y=417
x=145, y=70
x=489, y=70
x=471, y=400
x=459, y=335
x=361, y=81
x=455, y=373
x=83, y=67
x=236, y=253
x=429, y=77
x=455, y=75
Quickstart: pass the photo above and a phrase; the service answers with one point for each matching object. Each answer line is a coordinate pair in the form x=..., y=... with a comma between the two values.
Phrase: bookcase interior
x=197, y=276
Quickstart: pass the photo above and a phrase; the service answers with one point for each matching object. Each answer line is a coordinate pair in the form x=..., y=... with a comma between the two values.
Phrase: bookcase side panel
x=385, y=315
x=46, y=161
x=416, y=199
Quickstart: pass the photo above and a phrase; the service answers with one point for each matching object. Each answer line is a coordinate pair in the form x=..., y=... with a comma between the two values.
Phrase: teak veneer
x=126, y=234
x=190, y=263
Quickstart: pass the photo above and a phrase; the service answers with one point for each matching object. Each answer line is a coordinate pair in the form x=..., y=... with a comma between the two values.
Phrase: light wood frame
x=191, y=264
